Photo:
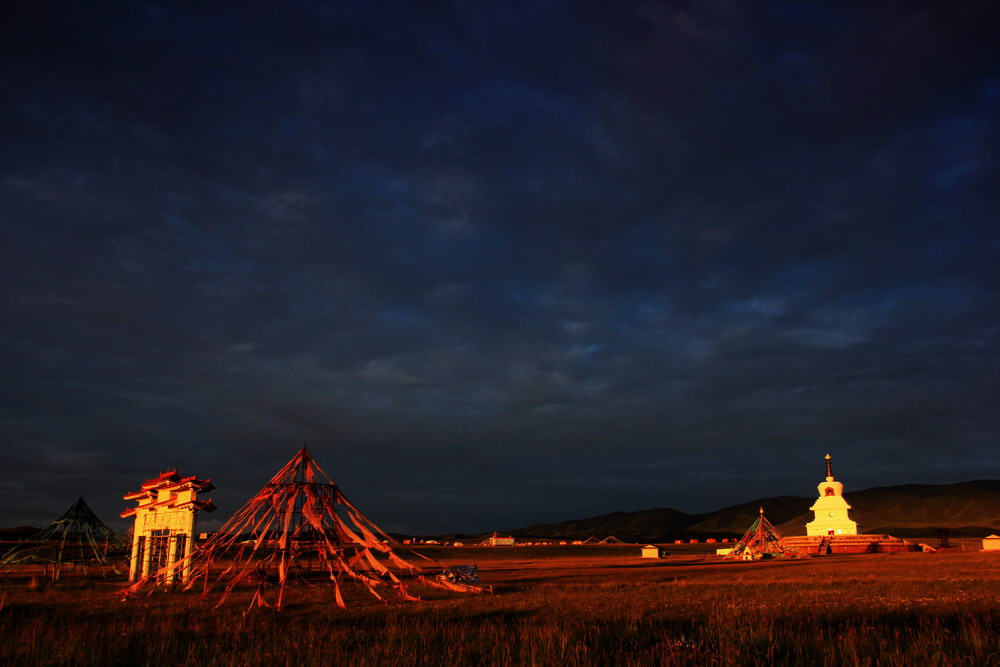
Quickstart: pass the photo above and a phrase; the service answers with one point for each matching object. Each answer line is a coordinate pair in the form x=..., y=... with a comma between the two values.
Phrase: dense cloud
x=497, y=264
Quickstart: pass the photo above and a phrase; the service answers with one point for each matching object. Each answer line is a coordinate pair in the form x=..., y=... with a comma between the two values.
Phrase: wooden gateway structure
x=165, y=519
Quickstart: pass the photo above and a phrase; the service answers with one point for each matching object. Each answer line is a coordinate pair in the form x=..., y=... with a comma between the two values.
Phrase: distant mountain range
x=909, y=510
x=969, y=509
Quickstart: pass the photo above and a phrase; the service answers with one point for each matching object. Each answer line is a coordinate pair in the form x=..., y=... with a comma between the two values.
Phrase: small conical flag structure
x=763, y=540
x=76, y=540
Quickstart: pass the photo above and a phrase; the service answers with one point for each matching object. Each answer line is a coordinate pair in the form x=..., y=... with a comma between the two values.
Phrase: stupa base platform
x=822, y=545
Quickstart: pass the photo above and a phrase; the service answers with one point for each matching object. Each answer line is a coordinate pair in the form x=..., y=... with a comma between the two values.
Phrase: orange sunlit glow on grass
x=580, y=605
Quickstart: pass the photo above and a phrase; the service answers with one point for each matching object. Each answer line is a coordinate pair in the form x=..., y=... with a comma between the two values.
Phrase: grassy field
x=600, y=605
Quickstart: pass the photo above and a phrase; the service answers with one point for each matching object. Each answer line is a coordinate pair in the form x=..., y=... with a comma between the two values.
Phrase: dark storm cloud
x=500, y=264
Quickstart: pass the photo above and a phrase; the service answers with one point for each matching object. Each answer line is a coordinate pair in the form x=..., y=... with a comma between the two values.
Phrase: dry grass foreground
x=552, y=607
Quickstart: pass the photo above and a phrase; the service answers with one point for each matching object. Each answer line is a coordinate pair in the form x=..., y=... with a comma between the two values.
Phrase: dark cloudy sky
x=497, y=263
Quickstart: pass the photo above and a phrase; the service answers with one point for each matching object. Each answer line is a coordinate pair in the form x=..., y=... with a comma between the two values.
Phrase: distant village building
x=653, y=551
x=163, y=536
x=991, y=543
x=831, y=510
x=497, y=541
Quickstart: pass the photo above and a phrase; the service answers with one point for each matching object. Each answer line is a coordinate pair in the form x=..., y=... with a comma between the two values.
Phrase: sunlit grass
x=688, y=609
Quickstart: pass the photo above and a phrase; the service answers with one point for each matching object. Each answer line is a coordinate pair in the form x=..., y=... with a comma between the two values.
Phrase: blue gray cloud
x=497, y=265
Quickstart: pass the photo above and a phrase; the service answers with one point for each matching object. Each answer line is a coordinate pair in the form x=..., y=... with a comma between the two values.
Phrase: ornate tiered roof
x=170, y=490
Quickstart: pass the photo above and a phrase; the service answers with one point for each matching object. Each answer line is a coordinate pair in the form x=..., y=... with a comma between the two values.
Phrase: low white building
x=653, y=551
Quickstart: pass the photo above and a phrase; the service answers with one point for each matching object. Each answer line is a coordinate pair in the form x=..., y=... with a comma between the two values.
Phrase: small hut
x=653, y=551
x=991, y=543
x=496, y=540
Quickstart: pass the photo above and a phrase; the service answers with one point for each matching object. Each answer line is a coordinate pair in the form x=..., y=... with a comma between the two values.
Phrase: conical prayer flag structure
x=763, y=540
x=298, y=531
x=76, y=540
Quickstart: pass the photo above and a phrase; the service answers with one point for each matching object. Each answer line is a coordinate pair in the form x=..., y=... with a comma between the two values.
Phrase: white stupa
x=831, y=509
